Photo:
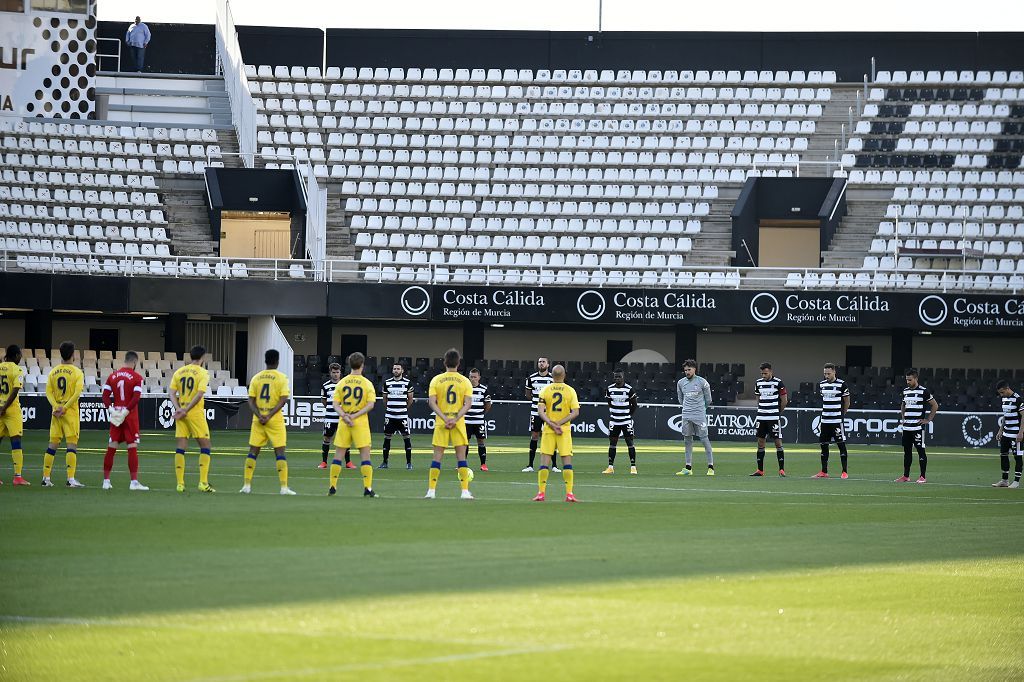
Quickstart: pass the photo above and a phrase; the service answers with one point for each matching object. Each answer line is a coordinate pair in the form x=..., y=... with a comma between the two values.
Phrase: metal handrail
x=101, y=55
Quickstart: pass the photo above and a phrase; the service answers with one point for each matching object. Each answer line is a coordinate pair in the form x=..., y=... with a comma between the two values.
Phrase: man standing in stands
x=137, y=37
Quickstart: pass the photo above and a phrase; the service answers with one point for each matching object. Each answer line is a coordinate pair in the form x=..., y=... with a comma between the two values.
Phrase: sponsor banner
x=735, y=307
x=662, y=422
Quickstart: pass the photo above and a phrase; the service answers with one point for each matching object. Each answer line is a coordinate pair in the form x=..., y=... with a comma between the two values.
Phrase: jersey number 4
x=265, y=393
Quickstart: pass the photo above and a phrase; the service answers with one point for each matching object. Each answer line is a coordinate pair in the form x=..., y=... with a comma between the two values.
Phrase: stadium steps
x=822, y=143
x=865, y=209
x=188, y=222
x=340, y=241
x=151, y=99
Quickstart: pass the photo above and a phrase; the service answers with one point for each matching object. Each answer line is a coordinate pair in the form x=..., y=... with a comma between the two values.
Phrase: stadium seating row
x=80, y=131
x=950, y=77
x=480, y=75
x=914, y=280
x=510, y=227
x=530, y=277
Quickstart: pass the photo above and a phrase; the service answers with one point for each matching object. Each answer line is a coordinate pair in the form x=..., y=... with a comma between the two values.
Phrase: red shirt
x=123, y=389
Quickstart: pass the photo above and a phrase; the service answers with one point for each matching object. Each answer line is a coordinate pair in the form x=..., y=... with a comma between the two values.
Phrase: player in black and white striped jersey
x=1010, y=435
x=330, y=416
x=622, y=404
x=835, y=401
x=398, y=392
x=771, y=401
x=476, y=418
x=915, y=399
x=536, y=383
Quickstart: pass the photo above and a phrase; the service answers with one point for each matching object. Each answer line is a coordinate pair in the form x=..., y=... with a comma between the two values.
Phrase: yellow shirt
x=353, y=393
x=10, y=379
x=189, y=381
x=559, y=400
x=450, y=389
x=64, y=385
x=266, y=389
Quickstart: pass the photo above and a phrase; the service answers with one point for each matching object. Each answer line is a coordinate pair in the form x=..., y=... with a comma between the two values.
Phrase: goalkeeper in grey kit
x=694, y=395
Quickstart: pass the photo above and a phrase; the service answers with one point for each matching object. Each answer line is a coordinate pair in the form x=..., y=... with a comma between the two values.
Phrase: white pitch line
x=379, y=665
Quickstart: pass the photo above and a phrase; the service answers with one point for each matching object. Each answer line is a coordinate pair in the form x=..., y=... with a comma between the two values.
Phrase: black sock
x=922, y=459
x=408, y=451
x=760, y=459
x=690, y=466
x=842, y=455
x=387, y=448
x=611, y=455
x=482, y=451
x=533, y=451
x=824, y=457
x=323, y=449
x=1004, y=464
x=348, y=457
x=780, y=454
x=632, y=455
x=908, y=458
x=1018, y=466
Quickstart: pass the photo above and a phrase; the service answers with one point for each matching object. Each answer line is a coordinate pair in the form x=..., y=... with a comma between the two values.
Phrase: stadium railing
x=231, y=64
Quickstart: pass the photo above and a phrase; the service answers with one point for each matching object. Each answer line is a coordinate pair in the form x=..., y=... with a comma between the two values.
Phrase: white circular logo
x=165, y=414
x=590, y=305
x=764, y=308
x=415, y=301
x=932, y=310
x=816, y=425
x=675, y=422
x=972, y=427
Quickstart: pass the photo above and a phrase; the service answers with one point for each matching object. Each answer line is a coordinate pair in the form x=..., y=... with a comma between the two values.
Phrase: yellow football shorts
x=192, y=425
x=357, y=435
x=65, y=427
x=551, y=441
x=272, y=432
x=11, y=424
x=455, y=436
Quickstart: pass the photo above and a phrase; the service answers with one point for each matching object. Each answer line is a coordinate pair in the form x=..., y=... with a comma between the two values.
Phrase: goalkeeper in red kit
x=121, y=394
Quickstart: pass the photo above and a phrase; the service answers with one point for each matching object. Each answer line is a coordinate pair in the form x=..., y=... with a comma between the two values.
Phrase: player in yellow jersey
x=188, y=395
x=354, y=397
x=450, y=397
x=11, y=424
x=558, y=405
x=268, y=392
x=63, y=387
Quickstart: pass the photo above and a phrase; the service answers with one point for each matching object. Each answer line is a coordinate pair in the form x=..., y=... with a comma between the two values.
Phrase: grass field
x=652, y=577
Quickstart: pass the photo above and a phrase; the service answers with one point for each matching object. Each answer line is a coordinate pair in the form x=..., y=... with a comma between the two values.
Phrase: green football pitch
x=650, y=577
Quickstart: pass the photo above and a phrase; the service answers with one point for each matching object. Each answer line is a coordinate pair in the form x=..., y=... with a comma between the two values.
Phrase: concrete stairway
x=184, y=100
x=822, y=144
x=865, y=209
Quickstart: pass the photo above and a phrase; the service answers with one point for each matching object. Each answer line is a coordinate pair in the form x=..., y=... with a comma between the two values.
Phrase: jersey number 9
x=62, y=384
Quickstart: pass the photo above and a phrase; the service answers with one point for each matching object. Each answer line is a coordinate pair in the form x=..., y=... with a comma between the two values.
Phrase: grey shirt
x=694, y=397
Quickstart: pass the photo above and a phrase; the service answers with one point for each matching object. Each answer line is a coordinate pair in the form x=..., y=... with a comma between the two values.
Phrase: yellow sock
x=366, y=469
x=542, y=478
x=71, y=459
x=335, y=472
x=18, y=456
x=435, y=473
x=179, y=466
x=204, y=468
x=282, y=472
x=567, y=476
x=464, y=478
x=250, y=469
x=48, y=462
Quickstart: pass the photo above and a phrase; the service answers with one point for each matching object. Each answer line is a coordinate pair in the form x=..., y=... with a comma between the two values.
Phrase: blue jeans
x=137, y=57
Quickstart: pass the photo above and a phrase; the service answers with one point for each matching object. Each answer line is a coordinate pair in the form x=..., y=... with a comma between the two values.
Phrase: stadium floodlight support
x=232, y=67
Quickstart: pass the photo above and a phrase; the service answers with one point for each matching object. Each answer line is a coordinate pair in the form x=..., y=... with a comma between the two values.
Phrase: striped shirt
x=481, y=399
x=769, y=398
x=619, y=400
x=1013, y=405
x=832, y=394
x=535, y=383
x=396, y=398
x=915, y=401
x=694, y=398
x=327, y=392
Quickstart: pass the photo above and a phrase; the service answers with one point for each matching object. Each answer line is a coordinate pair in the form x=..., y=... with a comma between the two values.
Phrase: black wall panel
x=281, y=46
x=73, y=292
x=293, y=299
x=24, y=290
x=147, y=294
x=174, y=48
